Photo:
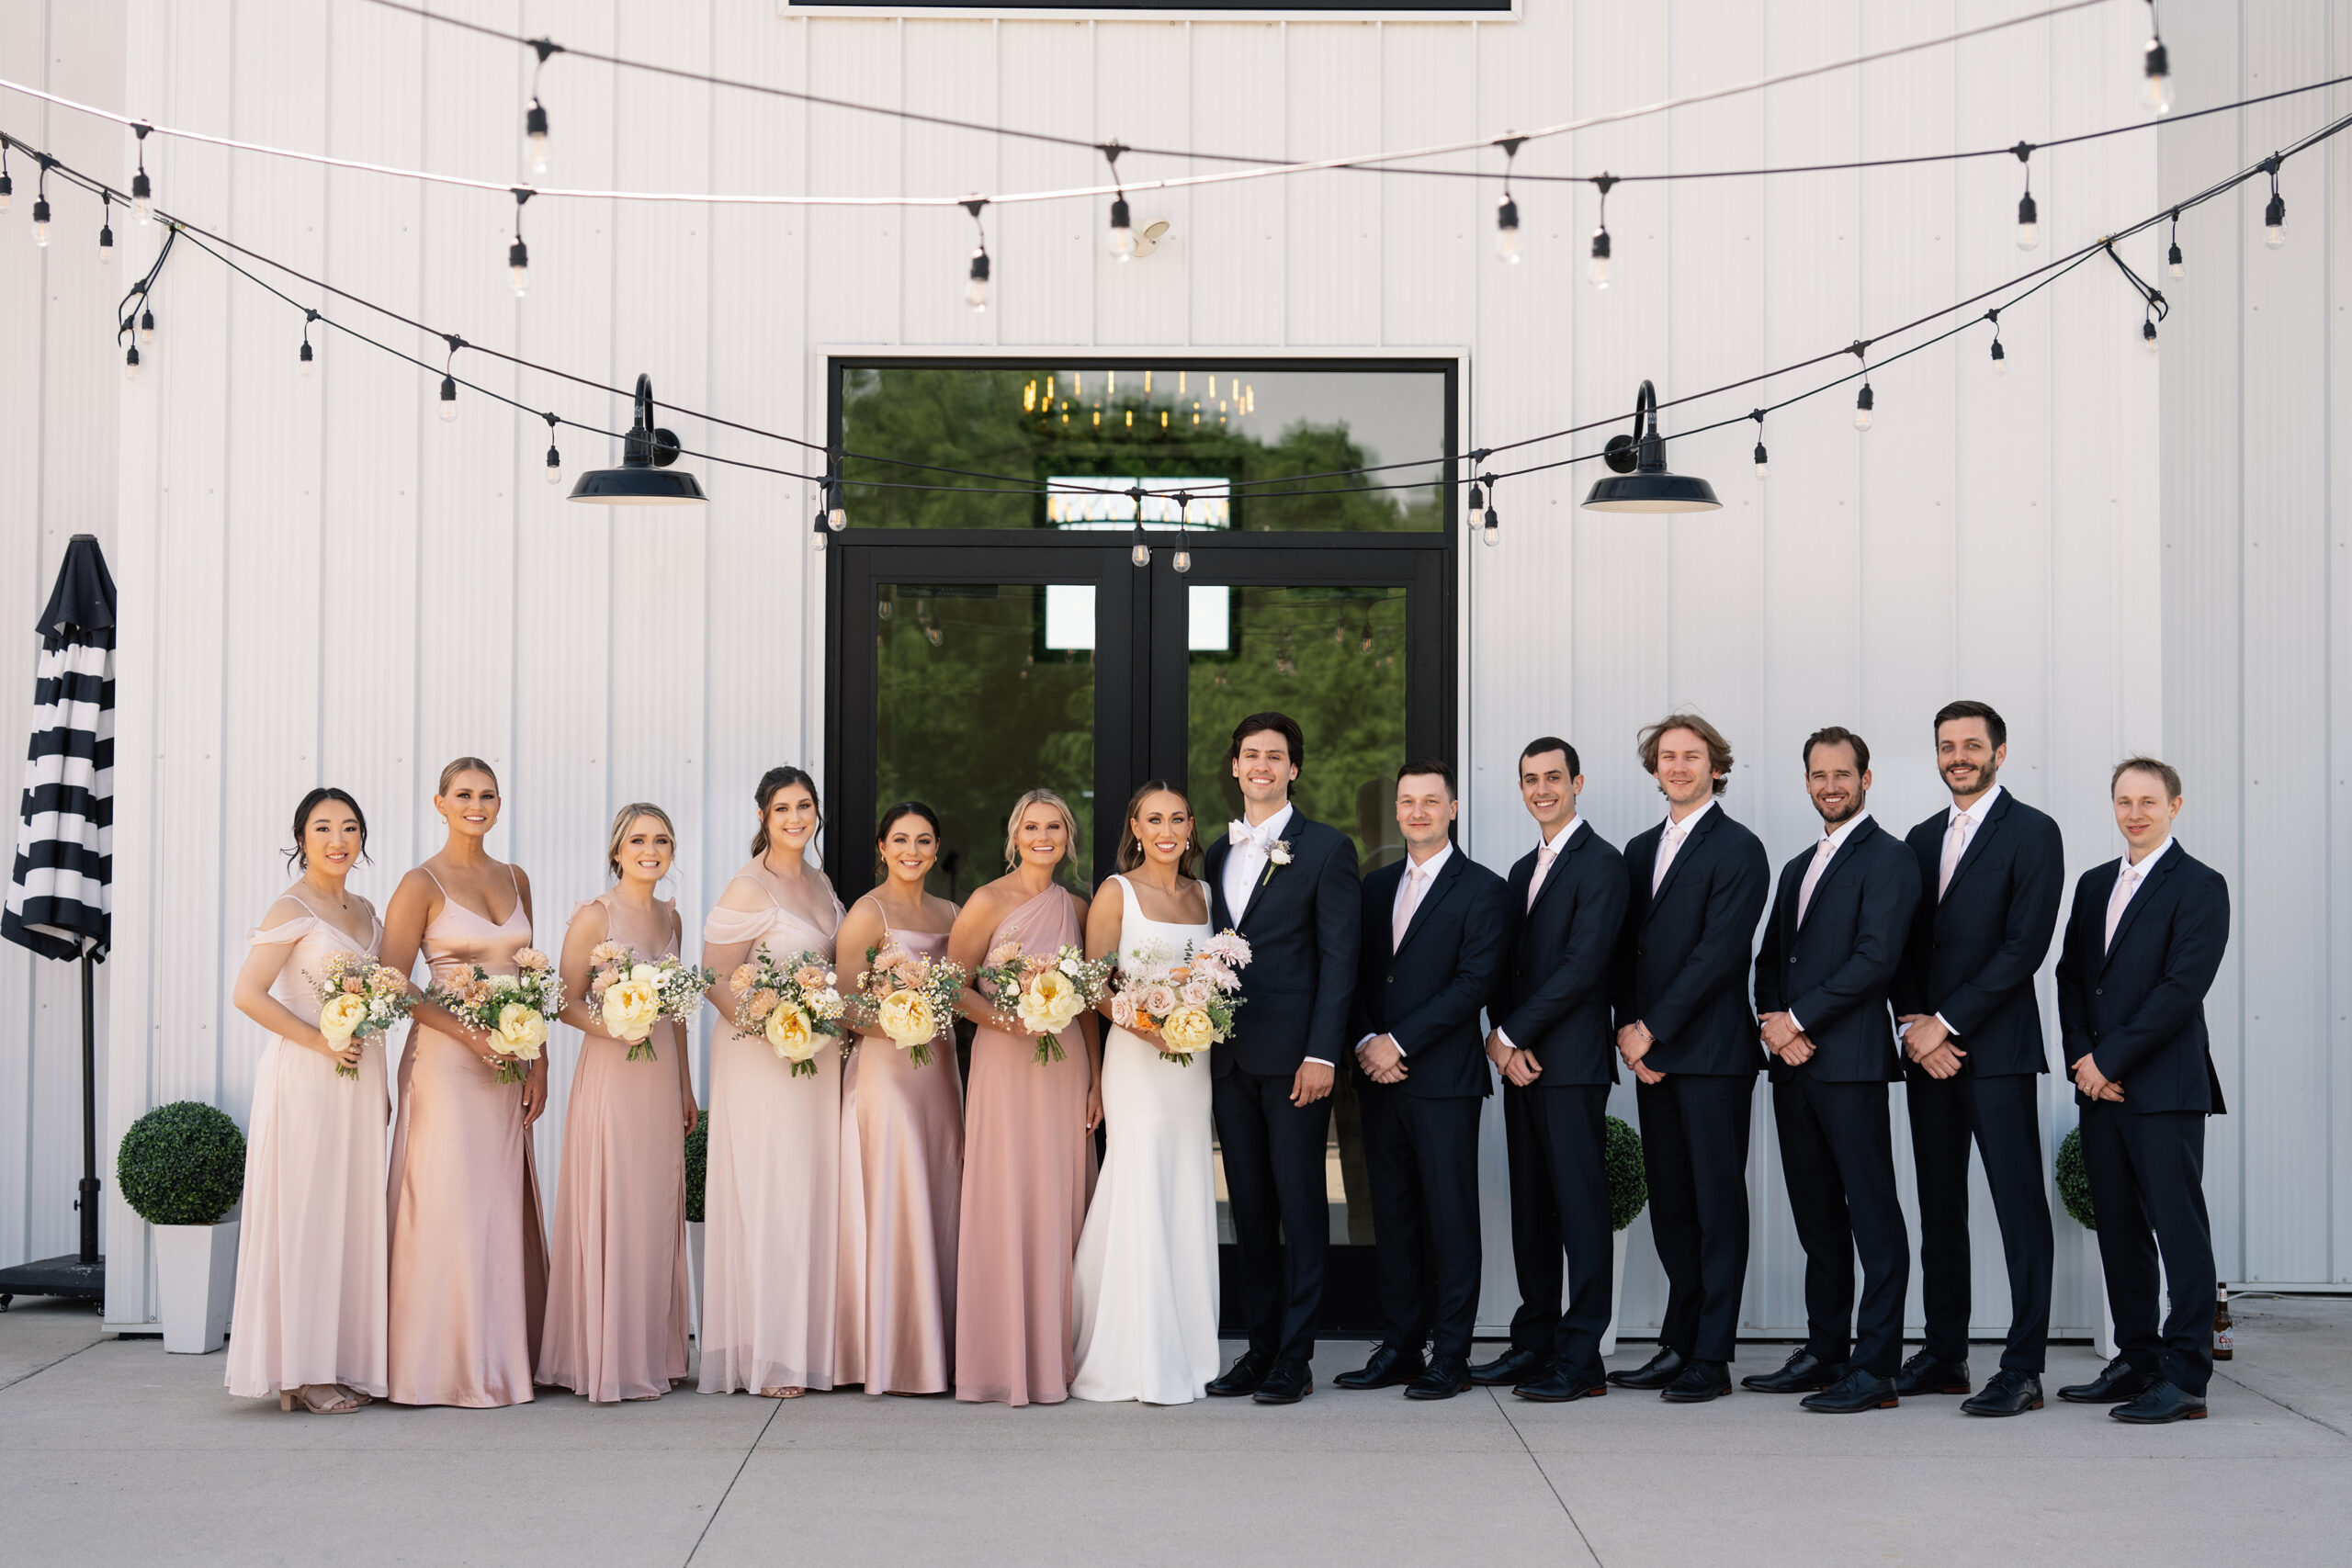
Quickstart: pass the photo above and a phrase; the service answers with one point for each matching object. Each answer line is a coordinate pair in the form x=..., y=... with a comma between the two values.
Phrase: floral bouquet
x=634, y=995
x=912, y=998
x=1189, y=1000
x=512, y=1010
x=791, y=1001
x=1046, y=993
x=358, y=997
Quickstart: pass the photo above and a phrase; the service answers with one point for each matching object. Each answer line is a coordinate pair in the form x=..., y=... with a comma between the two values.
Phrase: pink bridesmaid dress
x=470, y=1254
x=617, y=1291
x=771, y=1191
x=903, y=1174
x=1028, y=1171
x=311, y=1253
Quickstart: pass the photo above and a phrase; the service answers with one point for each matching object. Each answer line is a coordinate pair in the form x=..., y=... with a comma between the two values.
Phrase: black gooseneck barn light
x=640, y=481
x=1639, y=481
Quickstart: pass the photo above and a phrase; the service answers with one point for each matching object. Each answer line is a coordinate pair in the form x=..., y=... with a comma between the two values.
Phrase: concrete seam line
x=46, y=1365
x=1504, y=1410
x=2282, y=1404
x=756, y=1440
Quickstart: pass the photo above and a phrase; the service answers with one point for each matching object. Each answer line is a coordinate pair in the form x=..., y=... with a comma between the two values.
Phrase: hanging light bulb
x=449, y=399
x=1507, y=230
x=1477, y=503
x=8, y=185
x=2172, y=256
x=1763, y=462
x=1863, y=404
x=2158, y=97
x=143, y=193
x=818, y=530
x=976, y=291
x=554, y=459
x=146, y=329
x=518, y=254
x=534, y=136
x=2000, y=360
x=1491, y=533
x=106, y=232
x=836, y=509
x=130, y=363
x=2148, y=334
x=40, y=221
x=1122, y=232
x=2029, y=235
x=306, y=361
x=2274, y=216
x=1183, y=561
x=1139, y=552
x=1599, y=273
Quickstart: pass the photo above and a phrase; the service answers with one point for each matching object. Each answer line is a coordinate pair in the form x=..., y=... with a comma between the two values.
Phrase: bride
x=1146, y=1278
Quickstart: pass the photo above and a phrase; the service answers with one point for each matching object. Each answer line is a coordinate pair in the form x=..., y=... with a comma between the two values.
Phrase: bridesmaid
x=1028, y=1144
x=311, y=1256
x=468, y=1256
x=903, y=1145
x=617, y=1297
x=772, y=1192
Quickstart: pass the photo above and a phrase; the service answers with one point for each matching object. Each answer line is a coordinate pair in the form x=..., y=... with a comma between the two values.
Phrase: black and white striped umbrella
x=61, y=900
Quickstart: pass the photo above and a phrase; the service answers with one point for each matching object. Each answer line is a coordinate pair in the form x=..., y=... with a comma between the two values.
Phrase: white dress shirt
x=1547, y=854
x=1412, y=890
x=1671, y=842
x=1245, y=863
x=2127, y=878
x=1961, y=828
x=1823, y=853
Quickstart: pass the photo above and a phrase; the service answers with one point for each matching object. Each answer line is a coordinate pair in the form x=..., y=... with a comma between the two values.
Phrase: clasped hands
x=2094, y=1084
x=1633, y=1043
x=1785, y=1040
x=1927, y=1041
x=1382, y=1059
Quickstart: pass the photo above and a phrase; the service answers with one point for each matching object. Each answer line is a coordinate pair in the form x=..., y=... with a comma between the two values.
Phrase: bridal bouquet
x=1189, y=1000
x=791, y=1001
x=1047, y=994
x=912, y=998
x=634, y=995
x=358, y=997
x=512, y=1010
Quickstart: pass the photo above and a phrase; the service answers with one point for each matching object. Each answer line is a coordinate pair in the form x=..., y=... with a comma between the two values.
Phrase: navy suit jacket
x=1682, y=960
x=1301, y=925
x=1833, y=971
x=2137, y=1008
x=1554, y=994
x=1427, y=991
x=1972, y=954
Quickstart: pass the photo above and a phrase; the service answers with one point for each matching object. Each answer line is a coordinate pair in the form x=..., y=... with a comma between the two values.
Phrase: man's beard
x=1986, y=773
x=1853, y=809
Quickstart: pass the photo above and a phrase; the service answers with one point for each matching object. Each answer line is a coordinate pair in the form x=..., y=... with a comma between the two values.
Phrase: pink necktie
x=1955, y=846
x=1665, y=849
x=1406, y=902
x=1543, y=859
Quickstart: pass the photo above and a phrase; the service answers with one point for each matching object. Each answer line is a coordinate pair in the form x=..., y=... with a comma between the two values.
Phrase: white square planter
x=196, y=1271
x=1616, y=1292
x=693, y=1279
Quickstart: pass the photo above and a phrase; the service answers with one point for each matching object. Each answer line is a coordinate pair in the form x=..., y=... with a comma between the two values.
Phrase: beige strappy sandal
x=338, y=1403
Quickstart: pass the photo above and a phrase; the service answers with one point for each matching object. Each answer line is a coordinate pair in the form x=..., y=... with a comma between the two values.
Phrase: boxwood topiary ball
x=1629, y=1185
x=2073, y=1182
x=182, y=1164
x=697, y=1163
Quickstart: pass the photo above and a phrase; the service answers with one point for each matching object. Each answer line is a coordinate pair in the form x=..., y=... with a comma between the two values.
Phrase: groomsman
x=1991, y=873
x=1289, y=886
x=1434, y=931
x=1831, y=950
x=1696, y=883
x=1552, y=1039
x=2143, y=945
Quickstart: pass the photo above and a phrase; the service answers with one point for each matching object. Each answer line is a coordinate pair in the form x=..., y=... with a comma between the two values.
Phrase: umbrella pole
x=89, y=1204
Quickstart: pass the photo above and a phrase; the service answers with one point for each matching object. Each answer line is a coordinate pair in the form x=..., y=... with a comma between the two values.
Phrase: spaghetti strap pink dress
x=470, y=1252
x=310, y=1254
x=1028, y=1171
x=616, y=1291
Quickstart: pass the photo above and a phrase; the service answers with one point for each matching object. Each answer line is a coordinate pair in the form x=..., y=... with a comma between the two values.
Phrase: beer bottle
x=2225, y=1346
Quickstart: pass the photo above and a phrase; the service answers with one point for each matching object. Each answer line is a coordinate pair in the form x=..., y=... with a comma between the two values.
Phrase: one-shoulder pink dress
x=617, y=1289
x=1028, y=1171
x=311, y=1252
x=771, y=1192
x=902, y=1175
x=469, y=1251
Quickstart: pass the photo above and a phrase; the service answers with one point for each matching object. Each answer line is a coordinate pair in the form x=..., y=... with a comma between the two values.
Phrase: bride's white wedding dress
x=1146, y=1282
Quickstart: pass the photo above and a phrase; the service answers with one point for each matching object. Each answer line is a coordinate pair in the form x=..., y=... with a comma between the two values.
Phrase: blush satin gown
x=902, y=1173
x=310, y=1254
x=771, y=1197
x=617, y=1291
x=470, y=1252
x=1028, y=1168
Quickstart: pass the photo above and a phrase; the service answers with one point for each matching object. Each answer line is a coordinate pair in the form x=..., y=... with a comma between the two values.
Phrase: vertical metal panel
x=1143, y=96
x=1237, y=244
x=1332, y=81
x=2339, y=968
x=937, y=65
x=1045, y=265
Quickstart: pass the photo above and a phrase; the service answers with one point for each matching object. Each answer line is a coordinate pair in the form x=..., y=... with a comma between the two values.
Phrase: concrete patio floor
x=115, y=1452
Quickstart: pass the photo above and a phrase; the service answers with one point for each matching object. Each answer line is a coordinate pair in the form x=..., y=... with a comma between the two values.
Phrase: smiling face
x=1549, y=789
x=1838, y=786
x=1163, y=826
x=1265, y=769
x=1042, y=836
x=1683, y=774
x=332, y=839
x=470, y=804
x=2143, y=812
x=1967, y=757
x=792, y=818
x=647, y=851
x=1425, y=809
x=909, y=848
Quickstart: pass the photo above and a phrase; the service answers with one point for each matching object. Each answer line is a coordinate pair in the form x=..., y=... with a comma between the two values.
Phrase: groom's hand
x=1312, y=1082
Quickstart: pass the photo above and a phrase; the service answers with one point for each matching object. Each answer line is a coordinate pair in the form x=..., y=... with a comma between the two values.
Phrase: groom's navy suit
x=1300, y=920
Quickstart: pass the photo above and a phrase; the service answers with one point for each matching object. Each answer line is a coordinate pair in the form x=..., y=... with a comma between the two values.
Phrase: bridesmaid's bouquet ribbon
x=512, y=1010
x=791, y=1003
x=633, y=995
x=358, y=997
x=1188, y=1001
x=1047, y=994
x=912, y=997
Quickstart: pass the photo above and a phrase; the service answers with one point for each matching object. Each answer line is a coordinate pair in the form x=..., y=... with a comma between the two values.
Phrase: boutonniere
x=1278, y=855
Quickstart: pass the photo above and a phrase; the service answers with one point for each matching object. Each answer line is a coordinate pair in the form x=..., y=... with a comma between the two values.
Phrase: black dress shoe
x=2006, y=1393
x=1447, y=1376
x=1857, y=1391
x=2116, y=1383
x=1927, y=1374
x=1803, y=1372
x=1244, y=1376
x=1510, y=1368
x=1290, y=1380
x=1700, y=1381
x=1657, y=1372
x=1558, y=1386
x=2161, y=1402
x=1389, y=1365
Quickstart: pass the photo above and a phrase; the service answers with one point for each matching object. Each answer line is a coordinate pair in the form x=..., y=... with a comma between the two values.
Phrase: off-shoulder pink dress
x=617, y=1289
x=902, y=1173
x=1028, y=1171
x=469, y=1251
x=772, y=1193
x=311, y=1253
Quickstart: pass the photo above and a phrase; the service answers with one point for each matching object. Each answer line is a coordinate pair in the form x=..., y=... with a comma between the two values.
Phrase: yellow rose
x=520, y=1033
x=1187, y=1030
x=791, y=1034
x=341, y=1015
x=907, y=1018
x=1049, y=1003
x=630, y=1007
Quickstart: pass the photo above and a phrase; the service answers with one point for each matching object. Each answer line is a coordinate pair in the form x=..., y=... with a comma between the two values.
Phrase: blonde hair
x=1021, y=808
x=629, y=815
x=465, y=765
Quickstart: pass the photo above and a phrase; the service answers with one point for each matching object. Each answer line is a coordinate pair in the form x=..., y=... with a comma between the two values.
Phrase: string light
x=1477, y=503
x=40, y=203
x=1763, y=462
x=8, y=185
x=147, y=329
x=449, y=379
x=554, y=459
x=130, y=363
x=1139, y=552
x=1507, y=211
x=518, y=254
x=1123, y=230
x=143, y=193
x=1864, y=405
x=2000, y=355
x=1490, y=531
x=821, y=537
x=308, y=359
x=836, y=508
x=2148, y=330
x=535, y=114
x=2158, y=66
x=2029, y=234
x=2274, y=216
x=2153, y=297
x=2172, y=258
x=1600, y=270
x=976, y=288
x=1183, y=560
x=105, y=229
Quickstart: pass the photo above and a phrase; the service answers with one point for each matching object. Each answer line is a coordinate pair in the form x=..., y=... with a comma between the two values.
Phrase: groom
x=1288, y=885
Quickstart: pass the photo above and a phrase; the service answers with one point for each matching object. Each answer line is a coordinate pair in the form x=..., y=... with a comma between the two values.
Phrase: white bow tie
x=1246, y=837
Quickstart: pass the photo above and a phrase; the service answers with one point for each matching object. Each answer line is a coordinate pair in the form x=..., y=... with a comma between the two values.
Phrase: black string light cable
x=135, y=315
x=2152, y=298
